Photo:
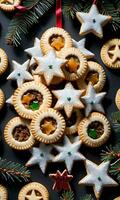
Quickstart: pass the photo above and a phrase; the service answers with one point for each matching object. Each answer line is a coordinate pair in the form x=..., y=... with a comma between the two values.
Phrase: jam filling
x=73, y=64
x=93, y=77
x=57, y=42
x=21, y=133
x=32, y=99
x=95, y=130
x=48, y=125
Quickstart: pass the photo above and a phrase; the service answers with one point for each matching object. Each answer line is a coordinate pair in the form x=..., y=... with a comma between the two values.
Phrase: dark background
x=112, y=85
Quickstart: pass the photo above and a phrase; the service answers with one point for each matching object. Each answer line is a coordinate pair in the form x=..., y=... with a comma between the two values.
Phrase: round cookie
x=30, y=98
x=117, y=99
x=33, y=191
x=9, y=5
x=3, y=61
x=18, y=135
x=95, y=74
x=48, y=126
x=55, y=38
x=3, y=193
x=110, y=53
x=76, y=65
x=95, y=130
x=2, y=99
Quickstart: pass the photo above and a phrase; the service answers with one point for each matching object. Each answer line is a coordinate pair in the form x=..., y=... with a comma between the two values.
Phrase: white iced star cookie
x=68, y=98
x=81, y=46
x=92, y=22
x=49, y=66
x=97, y=176
x=40, y=156
x=33, y=191
x=110, y=53
x=20, y=73
x=34, y=51
x=10, y=100
x=92, y=100
x=69, y=153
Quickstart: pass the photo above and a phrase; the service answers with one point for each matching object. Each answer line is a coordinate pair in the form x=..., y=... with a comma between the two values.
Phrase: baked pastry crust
x=3, y=61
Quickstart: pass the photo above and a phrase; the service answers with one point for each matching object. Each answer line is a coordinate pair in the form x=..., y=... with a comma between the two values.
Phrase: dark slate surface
x=113, y=83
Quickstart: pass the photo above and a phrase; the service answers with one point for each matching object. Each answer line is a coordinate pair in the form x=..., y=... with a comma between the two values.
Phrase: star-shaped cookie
x=40, y=156
x=92, y=22
x=34, y=51
x=97, y=176
x=81, y=46
x=115, y=52
x=68, y=98
x=20, y=73
x=93, y=100
x=68, y=153
x=49, y=66
x=33, y=196
x=61, y=180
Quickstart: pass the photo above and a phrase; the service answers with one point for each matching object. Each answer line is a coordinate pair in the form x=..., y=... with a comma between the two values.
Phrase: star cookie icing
x=20, y=73
x=34, y=51
x=49, y=66
x=68, y=98
x=40, y=156
x=68, y=153
x=81, y=46
x=93, y=100
x=97, y=176
x=92, y=22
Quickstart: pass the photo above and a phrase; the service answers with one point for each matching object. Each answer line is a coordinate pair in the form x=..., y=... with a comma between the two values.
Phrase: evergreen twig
x=67, y=195
x=87, y=197
x=10, y=170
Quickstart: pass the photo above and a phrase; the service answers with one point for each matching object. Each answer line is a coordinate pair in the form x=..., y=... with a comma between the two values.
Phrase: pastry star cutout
x=68, y=153
x=33, y=196
x=93, y=100
x=61, y=180
x=92, y=22
x=98, y=177
x=49, y=66
x=81, y=46
x=115, y=53
x=40, y=156
x=34, y=51
x=68, y=98
x=20, y=73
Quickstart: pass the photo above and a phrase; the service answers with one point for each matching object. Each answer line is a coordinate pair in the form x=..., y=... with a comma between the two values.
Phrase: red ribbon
x=59, y=13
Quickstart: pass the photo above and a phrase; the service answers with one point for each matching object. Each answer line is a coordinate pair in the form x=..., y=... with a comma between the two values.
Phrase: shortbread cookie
x=30, y=98
x=2, y=99
x=95, y=130
x=34, y=51
x=117, y=99
x=97, y=176
x=118, y=198
x=55, y=38
x=68, y=98
x=49, y=66
x=18, y=135
x=48, y=126
x=68, y=153
x=93, y=100
x=3, y=193
x=33, y=191
x=20, y=73
x=81, y=46
x=41, y=156
x=76, y=65
x=9, y=5
x=3, y=61
x=95, y=74
x=110, y=53
x=92, y=22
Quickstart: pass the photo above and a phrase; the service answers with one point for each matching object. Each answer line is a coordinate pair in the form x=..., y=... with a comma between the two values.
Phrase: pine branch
x=23, y=21
x=116, y=121
x=10, y=170
x=67, y=195
x=87, y=197
x=111, y=153
x=115, y=169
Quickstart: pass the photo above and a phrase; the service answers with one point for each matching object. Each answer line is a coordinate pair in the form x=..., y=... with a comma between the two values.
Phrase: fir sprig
x=67, y=195
x=10, y=171
x=115, y=169
x=23, y=21
x=116, y=121
x=87, y=197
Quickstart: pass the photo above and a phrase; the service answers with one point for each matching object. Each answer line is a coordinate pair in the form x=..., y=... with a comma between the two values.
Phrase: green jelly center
x=92, y=133
x=34, y=105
